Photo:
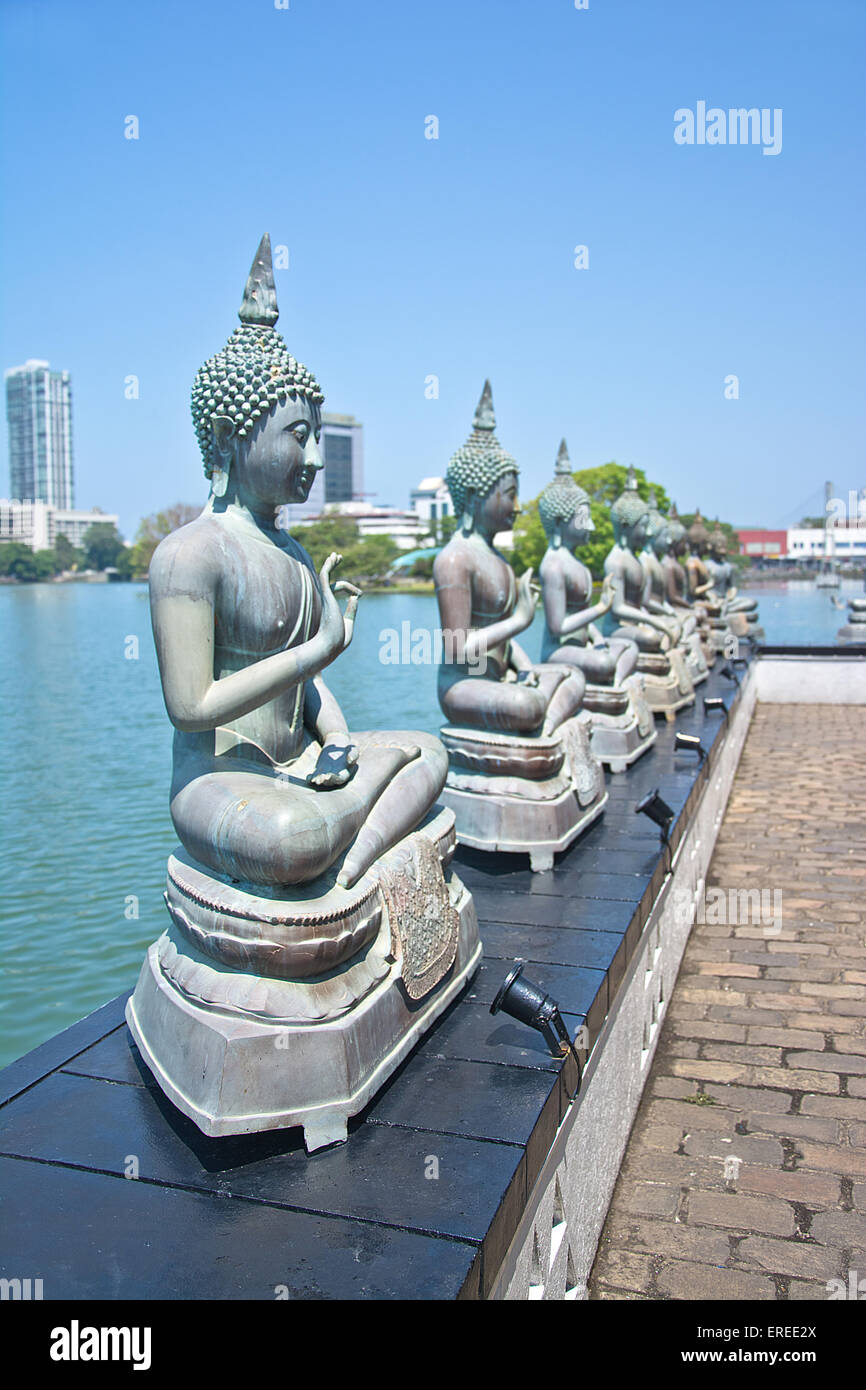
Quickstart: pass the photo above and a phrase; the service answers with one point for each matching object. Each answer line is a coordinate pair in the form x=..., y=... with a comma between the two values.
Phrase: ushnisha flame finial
x=563, y=462
x=484, y=416
x=631, y=479
x=259, y=305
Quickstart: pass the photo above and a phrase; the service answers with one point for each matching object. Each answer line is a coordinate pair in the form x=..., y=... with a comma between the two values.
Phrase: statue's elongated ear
x=223, y=429
x=467, y=521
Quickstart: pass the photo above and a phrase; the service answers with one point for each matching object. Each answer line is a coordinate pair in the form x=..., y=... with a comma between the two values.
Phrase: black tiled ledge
x=235, y=1218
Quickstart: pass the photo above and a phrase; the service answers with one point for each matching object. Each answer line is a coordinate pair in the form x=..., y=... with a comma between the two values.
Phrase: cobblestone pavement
x=745, y=1172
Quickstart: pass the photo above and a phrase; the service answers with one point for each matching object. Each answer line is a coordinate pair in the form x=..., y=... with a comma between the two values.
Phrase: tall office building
x=342, y=478
x=39, y=414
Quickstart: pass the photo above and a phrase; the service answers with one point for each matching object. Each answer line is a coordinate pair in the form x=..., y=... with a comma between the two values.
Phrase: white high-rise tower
x=39, y=415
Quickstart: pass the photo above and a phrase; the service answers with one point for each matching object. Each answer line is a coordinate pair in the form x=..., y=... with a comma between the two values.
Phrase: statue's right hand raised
x=608, y=593
x=336, y=627
x=527, y=594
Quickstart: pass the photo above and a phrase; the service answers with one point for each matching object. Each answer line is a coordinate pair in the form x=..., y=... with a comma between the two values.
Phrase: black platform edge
x=58, y=1051
x=848, y=652
x=484, y=1256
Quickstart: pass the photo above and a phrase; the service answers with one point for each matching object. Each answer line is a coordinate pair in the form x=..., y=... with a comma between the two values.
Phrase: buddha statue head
x=482, y=477
x=629, y=514
x=699, y=536
x=564, y=507
x=256, y=410
x=678, y=540
x=718, y=543
x=657, y=536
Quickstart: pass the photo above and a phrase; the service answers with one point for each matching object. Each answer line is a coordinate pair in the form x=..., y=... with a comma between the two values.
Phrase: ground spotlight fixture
x=714, y=704
x=729, y=673
x=690, y=743
x=528, y=1004
x=658, y=811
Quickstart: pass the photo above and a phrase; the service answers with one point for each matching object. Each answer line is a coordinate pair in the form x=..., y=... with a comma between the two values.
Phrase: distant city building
x=807, y=542
x=804, y=544
x=38, y=525
x=39, y=416
x=431, y=500
x=757, y=543
x=342, y=478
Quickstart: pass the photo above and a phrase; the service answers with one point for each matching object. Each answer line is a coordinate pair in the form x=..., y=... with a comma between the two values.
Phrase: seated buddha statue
x=656, y=548
x=716, y=562
x=622, y=725
x=676, y=582
x=517, y=736
x=721, y=572
x=289, y=897
x=489, y=681
x=656, y=544
x=668, y=684
x=698, y=576
x=570, y=634
x=268, y=785
x=727, y=617
x=677, y=585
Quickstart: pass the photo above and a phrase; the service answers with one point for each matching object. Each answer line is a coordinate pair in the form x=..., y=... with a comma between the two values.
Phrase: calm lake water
x=84, y=824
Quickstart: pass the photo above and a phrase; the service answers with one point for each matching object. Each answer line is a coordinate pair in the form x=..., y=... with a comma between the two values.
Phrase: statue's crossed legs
x=267, y=825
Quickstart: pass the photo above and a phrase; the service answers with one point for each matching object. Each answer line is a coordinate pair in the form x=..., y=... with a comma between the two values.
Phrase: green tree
x=10, y=553
x=126, y=563
x=604, y=484
x=153, y=529
x=530, y=541
x=68, y=557
x=46, y=564
x=339, y=533
x=422, y=568
x=18, y=561
x=102, y=544
x=366, y=559
x=370, y=561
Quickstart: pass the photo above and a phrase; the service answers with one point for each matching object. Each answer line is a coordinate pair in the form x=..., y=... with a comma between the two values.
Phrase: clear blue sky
x=412, y=256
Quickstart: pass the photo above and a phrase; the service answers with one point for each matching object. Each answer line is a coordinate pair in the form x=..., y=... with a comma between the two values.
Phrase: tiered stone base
x=623, y=728
x=696, y=662
x=264, y=1009
x=667, y=684
x=855, y=628
x=522, y=795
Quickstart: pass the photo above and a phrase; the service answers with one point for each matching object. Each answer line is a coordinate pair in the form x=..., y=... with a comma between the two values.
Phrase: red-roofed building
x=767, y=545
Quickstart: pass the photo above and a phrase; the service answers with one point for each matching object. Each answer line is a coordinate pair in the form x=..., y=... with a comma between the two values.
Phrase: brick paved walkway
x=745, y=1173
